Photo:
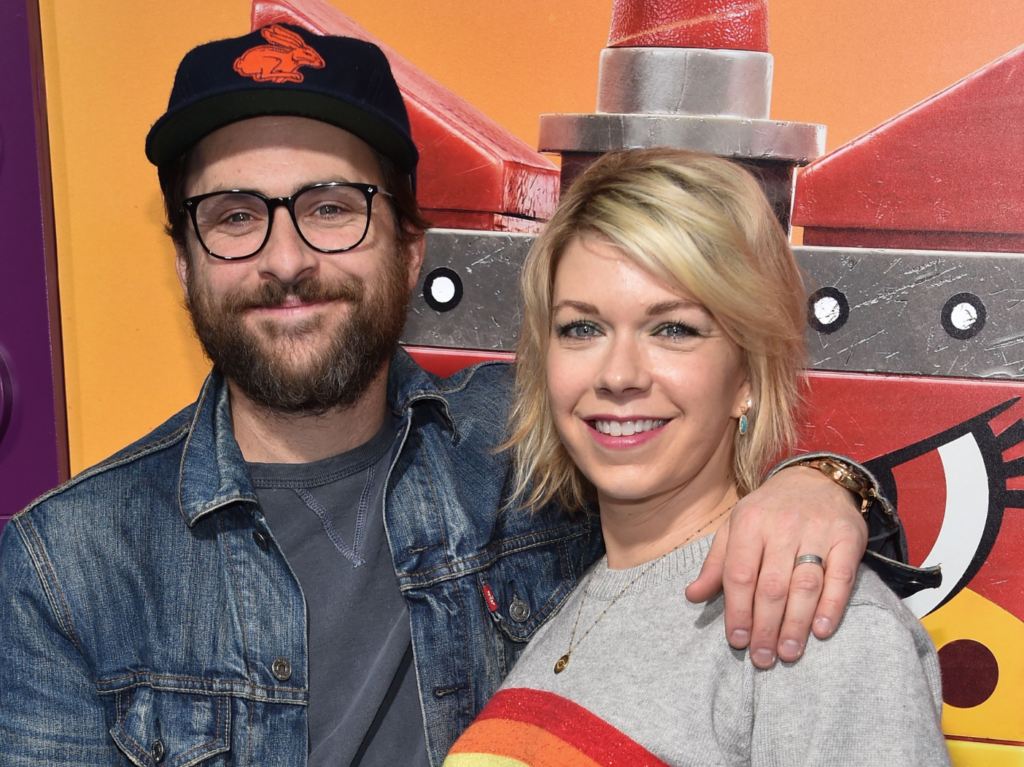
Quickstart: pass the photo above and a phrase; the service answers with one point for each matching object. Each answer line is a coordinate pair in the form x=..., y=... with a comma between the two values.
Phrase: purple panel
x=33, y=443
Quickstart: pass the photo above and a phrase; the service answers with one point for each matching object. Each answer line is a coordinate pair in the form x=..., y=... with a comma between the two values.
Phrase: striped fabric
x=520, y=727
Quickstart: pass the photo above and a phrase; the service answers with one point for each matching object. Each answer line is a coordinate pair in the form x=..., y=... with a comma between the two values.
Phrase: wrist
x=846, y=473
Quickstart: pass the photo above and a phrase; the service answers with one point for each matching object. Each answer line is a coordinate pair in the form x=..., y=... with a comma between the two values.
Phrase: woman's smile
x=624, y=433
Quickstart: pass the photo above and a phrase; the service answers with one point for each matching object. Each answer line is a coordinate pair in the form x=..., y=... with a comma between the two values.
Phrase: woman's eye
x=578, y=330
x=676, y=330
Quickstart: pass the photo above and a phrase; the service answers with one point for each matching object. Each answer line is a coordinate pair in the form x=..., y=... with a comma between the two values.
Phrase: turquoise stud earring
x=744, y=424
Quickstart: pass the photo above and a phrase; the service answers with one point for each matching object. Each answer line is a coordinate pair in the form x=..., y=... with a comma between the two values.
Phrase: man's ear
x=181, y=266
x=415, y=249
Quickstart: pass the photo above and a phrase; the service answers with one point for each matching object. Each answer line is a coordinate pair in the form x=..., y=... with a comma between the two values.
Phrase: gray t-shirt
x=327, y=517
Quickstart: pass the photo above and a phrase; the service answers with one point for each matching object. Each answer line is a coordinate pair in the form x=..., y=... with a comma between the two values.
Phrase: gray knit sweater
x=658, y=669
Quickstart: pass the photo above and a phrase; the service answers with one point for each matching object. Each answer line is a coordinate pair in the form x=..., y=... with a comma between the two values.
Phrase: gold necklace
x=562, y=662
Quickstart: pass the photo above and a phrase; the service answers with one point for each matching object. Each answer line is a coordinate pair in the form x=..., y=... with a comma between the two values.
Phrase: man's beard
x=335, y=376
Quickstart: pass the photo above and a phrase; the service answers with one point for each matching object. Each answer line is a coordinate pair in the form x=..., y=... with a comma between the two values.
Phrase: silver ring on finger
x=810, y=559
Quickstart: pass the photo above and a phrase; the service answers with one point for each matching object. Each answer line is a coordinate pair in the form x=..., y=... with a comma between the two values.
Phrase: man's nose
x=285, y=257
x=624, y=368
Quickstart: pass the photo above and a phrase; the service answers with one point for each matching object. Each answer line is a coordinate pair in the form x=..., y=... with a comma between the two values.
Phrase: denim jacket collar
x=409, y=384
x=213, y=473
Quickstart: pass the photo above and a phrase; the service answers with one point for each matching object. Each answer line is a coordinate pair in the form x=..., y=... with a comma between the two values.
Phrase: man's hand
x=769, y=604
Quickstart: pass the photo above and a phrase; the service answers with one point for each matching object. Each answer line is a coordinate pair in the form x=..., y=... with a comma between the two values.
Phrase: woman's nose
x=624, y=368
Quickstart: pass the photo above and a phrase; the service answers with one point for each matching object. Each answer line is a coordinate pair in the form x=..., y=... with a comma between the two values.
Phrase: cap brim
x=175, y=134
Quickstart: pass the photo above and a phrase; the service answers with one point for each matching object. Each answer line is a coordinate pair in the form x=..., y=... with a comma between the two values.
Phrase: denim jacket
x=145, y=620
x=147, y=617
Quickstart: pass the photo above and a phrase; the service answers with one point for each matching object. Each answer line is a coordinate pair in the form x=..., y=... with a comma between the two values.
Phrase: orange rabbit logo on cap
x=280, y=61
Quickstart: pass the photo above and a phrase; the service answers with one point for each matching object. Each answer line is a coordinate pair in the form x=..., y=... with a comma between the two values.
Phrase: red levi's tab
x=492, y=603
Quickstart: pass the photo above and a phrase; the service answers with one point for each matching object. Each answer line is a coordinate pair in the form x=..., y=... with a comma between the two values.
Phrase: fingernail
x=763, y=658
x=792, y=649
x=740, y=638
x=823, y=626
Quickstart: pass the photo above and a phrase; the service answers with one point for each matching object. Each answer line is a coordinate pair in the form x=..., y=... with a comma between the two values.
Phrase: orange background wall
x=130, y=359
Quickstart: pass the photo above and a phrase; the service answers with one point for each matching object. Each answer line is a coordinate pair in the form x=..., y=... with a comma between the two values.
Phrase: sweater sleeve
x=869, y=695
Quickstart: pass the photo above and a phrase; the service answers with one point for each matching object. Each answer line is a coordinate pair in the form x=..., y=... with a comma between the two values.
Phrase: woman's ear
x=744, y=399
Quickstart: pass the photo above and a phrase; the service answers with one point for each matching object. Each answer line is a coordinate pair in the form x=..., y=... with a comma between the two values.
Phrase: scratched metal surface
x=896, y=300
x=487, y=264
x=894, y=320
x=693, y=81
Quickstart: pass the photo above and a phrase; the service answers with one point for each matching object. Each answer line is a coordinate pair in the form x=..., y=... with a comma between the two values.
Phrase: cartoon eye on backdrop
x=962, y=471
x=950, y=454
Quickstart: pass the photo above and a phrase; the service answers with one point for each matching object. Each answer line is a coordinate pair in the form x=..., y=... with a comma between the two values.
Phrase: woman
x=657, y=374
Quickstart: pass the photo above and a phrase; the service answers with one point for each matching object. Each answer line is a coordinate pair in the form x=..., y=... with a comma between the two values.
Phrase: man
x=320, y=555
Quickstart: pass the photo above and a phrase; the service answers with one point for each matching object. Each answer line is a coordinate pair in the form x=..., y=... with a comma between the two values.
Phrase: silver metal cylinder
x=799, y=143
x=685, y=81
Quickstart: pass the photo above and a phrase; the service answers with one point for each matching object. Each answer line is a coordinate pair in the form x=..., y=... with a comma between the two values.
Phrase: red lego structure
x=473, y=174
x=740, y=25
x=943, y=175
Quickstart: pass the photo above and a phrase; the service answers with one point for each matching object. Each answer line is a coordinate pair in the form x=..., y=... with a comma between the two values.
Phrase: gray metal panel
x=486, y=265
x=692, y=81
x=904, y=309
x=724, y=136
x=905, y=306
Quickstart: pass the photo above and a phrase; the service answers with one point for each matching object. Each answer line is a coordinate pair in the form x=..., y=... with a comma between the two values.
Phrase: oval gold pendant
x=561, y=663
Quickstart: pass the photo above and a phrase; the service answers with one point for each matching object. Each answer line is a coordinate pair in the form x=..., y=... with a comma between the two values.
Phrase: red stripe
x=574, y=724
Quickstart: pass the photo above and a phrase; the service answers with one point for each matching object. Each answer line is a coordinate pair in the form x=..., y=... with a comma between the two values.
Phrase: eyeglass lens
x=235, y=224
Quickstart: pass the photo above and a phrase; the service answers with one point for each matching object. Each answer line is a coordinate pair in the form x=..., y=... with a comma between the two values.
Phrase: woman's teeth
x=627, y=428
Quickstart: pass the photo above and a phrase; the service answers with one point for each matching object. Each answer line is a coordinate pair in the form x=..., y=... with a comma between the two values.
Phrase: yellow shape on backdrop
x=968, y=754
x=1001, y=717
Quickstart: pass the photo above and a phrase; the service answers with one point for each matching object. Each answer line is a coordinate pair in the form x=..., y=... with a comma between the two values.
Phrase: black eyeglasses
x=330, y=218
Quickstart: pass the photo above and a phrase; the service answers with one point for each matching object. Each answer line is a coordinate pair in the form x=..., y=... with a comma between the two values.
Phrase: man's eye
x=578, y=330
x=235, y=219
x=331, y=209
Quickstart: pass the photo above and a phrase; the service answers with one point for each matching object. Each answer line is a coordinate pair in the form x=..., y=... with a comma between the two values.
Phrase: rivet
x=281, y=668
x=519, y=611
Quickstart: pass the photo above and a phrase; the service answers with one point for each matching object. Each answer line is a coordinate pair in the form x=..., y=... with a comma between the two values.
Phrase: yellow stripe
x=530, y=744
x=481, y=760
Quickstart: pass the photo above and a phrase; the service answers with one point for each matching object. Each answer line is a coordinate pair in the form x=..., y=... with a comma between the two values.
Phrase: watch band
x=850, y=475
x=843, y=474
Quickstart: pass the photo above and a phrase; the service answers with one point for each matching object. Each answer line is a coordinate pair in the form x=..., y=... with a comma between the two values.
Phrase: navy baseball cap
x=285, y=70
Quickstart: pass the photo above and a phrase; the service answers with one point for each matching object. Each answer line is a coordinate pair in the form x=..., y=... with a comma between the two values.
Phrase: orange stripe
x=569, y=721
x=526, y=743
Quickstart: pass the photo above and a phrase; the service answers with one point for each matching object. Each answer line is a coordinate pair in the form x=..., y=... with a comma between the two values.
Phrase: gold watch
x=846, y=475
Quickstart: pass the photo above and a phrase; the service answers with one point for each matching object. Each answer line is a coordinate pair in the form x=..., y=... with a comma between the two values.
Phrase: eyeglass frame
x=191, y=204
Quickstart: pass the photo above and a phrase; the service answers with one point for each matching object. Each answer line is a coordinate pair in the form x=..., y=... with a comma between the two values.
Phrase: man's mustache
x=271, y=294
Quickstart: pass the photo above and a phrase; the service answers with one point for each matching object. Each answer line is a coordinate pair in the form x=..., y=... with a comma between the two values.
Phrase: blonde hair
x=702, y=225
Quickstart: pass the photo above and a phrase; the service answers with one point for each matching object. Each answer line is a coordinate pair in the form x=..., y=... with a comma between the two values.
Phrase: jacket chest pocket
x=161, y=728
x=523, y=589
